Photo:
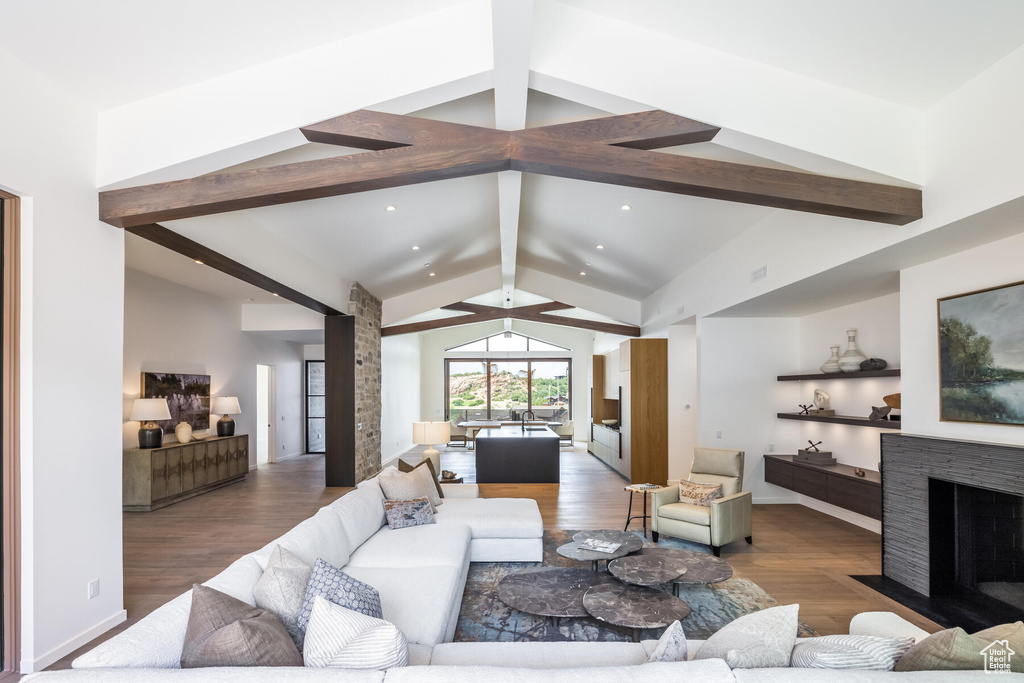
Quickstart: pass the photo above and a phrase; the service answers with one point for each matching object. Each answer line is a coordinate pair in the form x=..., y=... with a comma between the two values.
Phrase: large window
x=484, y=389
x=507, y=342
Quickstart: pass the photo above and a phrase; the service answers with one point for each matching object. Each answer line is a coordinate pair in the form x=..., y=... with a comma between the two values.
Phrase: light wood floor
x=799, y=555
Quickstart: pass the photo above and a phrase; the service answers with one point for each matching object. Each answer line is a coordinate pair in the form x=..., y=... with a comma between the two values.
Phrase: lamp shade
x=225, y=405
x=430, y=433
x=149, y=409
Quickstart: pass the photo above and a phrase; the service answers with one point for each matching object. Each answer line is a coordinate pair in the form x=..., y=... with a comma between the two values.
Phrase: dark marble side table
x=634, y=607
x=648, y=569
x=553, y=592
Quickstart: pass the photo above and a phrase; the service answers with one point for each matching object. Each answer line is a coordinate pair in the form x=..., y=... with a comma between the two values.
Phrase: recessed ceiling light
x=587, y=263
x=275, y=294
x=389, y=207
x=433, y=274
x=199, y=262
x=625, y=207
x=600, y=246
x=415, y=247
x=582, y=273
x=427, y=264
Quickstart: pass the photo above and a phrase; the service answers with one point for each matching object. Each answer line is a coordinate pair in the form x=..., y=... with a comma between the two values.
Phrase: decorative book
x=599, y=546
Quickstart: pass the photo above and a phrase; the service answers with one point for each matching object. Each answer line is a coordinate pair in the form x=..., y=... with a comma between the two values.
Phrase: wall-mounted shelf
x=843, y=420
x=863, y=374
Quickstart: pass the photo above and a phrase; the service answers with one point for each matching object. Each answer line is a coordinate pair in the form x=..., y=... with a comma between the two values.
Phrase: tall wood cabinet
x=153, y=478
x=643, y=378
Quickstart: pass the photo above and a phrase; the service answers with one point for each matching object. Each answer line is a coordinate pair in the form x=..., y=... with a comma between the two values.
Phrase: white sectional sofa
x=421, y=573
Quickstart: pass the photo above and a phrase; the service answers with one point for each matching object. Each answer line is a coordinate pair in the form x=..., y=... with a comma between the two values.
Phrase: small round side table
x=642, y=489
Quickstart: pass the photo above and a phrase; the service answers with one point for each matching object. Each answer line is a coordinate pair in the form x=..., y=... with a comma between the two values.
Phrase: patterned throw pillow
x=403, y=486
x=282, y=588
x=696, y=493
x=344, y=639
x=868, y=653
x=327, y=581
x=671, y=646
x=759, y=640
x=403, y=513
x=224, y=631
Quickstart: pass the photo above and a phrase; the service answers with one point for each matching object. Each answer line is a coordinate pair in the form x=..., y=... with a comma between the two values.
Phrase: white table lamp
x=430, y=434
x=147, y=410
x=226, y=406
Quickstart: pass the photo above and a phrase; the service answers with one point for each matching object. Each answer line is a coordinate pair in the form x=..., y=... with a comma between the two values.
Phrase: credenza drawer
x=810, y=483
x=779, y=473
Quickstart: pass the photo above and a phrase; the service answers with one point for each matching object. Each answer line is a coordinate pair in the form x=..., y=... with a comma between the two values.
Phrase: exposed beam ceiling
x=158, y=234
x=410, y=150
x=478, y=313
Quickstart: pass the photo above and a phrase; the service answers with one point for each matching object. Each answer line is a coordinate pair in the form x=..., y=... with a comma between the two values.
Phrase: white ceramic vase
x=852, y=358
x=183, y=432
x=832, y=364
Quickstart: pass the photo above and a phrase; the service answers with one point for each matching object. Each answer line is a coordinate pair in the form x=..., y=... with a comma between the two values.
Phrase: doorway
x=265, y=415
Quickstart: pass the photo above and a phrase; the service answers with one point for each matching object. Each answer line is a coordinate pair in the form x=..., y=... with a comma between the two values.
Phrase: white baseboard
x=29, y=666
x=843, y=514
x=282, y=458
x=775, y=500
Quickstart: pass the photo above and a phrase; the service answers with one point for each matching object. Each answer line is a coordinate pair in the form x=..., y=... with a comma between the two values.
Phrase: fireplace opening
x=977, y=543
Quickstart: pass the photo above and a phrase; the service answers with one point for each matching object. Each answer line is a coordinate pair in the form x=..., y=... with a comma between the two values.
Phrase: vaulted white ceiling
x=877, y=63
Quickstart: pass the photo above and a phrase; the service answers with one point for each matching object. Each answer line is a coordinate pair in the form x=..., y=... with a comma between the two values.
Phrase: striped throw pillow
x=868, y=653
x=341, y=638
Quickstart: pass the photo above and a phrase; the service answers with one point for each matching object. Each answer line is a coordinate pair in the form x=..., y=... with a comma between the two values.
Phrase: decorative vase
x=852, y=358
x=183, y=432
x=832, y=364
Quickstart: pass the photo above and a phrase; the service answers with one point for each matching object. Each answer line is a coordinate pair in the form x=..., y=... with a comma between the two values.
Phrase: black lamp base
x=225, y=426
x=151, y=438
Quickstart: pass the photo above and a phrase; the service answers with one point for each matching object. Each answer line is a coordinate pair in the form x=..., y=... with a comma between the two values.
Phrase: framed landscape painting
x=981, y=356
x=188, y=398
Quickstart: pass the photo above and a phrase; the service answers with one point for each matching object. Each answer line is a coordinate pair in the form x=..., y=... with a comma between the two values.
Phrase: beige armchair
x=566, y=432
x=728, y=519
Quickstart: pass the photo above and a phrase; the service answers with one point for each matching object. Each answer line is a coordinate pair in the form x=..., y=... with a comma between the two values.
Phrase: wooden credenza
x=153, y=478
x=835, y=484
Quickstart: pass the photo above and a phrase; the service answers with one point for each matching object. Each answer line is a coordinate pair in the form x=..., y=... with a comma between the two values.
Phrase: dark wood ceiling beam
x=535, y=152
x=297, y=182
x=366, y=129
x=534, y=313
x=644, y=130
x=158, y=234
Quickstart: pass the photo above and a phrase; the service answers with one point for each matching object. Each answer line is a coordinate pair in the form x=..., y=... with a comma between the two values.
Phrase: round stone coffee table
x=701, y=568
x=629, y=544
x=648, y=569
x=552, y=592
x=634, y=607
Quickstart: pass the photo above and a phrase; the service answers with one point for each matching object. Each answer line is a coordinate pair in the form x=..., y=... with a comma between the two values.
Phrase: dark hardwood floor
x=798, y=555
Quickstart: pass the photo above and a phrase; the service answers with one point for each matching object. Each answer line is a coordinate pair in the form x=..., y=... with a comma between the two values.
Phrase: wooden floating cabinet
x=643, y=378
x=153, y=478
x=834, y=484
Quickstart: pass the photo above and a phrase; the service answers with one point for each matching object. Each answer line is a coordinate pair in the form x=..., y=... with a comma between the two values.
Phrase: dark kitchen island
x=514, y=455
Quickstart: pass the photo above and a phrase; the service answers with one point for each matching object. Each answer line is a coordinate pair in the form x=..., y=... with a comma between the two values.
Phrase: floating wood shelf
x=863, y=374
x=835, y=484
x=843, y=420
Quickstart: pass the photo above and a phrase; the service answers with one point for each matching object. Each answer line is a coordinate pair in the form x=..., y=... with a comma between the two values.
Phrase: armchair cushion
x=718, y=466
x=686, y=512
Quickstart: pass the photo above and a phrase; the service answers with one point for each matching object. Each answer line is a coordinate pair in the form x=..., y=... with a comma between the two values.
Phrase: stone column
x=366, y=309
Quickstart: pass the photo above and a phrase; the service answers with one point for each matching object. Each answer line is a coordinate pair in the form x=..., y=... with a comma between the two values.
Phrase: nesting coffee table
x=656, y=566
x=629, y=543
x=552, y=592
x=634, y=607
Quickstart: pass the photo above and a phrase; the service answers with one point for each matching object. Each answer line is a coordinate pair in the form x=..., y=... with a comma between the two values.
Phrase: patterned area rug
x=486, y=618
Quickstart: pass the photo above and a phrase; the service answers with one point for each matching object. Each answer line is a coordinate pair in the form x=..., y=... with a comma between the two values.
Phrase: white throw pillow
x=755, y=641
x=282, y=589
x=344, y=639
x=423, y=472
x=869, y=653
x=671, y=646
x=405, y=486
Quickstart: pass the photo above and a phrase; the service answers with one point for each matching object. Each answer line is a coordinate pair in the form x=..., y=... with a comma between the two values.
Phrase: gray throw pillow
x=329, y=582
x=869, y=653
x=671, y=646
x=755, y=641
x=282, y=589
x=224, y=631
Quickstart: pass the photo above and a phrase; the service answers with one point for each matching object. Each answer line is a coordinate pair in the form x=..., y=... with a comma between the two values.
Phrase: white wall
x=171, y=328
x=739, y=396
x=400, y=393
x=71, y=293
x=991, y=265
x=433, y=344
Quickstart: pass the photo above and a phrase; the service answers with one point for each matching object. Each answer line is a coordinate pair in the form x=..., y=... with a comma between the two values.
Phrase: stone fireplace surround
x=911, y=467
